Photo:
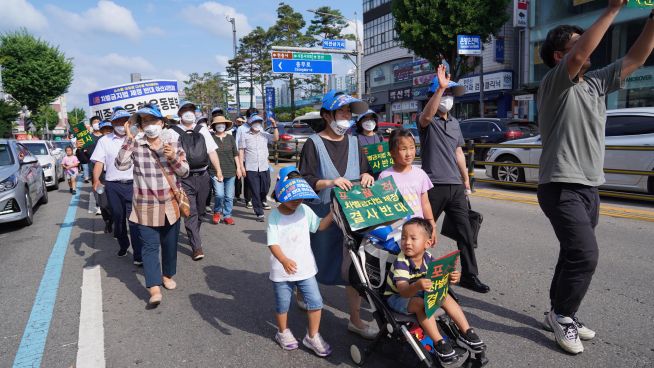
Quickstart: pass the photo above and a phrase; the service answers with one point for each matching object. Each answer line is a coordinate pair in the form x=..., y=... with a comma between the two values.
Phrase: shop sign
x=399, y=94
x=404, y=106
x=520, y=18
x=529, y=97
x=641, y=78
x=492, y=82
x=423, y=79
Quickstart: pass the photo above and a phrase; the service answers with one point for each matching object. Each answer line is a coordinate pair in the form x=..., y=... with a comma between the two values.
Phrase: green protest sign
x=375, y=205
x=640, y=4
x=439, y=273
x=378, y=156
x=82, y=134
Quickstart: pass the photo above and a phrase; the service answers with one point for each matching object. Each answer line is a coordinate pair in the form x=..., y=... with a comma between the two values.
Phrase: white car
x=624, y=127
x=49, y=158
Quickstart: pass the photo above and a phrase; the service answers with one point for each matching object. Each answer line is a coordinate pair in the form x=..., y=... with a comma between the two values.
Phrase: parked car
x=495, y=130
x=385, y=128
x=293, y=135
x=624, y=127
x=22, y=183
x=62, y=145
x=50, y=159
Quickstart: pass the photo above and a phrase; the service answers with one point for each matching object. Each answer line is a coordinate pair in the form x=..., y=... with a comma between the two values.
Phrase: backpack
x=193, y=143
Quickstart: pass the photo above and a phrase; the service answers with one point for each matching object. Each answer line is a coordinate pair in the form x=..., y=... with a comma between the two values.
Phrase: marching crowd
x=149, y=172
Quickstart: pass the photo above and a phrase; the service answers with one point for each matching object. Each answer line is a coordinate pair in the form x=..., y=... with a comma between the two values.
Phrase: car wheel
x=29, y=219
x=44, y=197
x=55, y=185
x=510, y=174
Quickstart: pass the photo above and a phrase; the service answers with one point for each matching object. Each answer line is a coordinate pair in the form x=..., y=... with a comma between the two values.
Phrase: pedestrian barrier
x=470, y=153
x=294, y=155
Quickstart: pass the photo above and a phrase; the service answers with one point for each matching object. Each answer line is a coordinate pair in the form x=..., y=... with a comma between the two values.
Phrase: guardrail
x=287, y=156
x=470, y=152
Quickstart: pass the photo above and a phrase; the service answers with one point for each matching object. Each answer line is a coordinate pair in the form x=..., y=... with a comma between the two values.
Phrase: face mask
x=340, y=127
x=220, y=127
x=369, y=125
x=153, y=131
x=188, y=117
x=120, y=130
x=96, y=126
x=446, y=104
x=256, y=127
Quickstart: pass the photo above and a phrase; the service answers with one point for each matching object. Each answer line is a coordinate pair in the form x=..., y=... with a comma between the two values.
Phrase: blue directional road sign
x=301, y=63
x=333, y=44
x=468, y=45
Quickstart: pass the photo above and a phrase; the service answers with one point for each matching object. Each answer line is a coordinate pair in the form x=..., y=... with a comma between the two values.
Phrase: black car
x=495, y=130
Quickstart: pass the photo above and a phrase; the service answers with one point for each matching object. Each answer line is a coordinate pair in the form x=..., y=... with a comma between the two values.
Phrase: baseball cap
x=119, y=113
x=105, y=123
x=334, y=100
x=369, y=112
x=186, y=104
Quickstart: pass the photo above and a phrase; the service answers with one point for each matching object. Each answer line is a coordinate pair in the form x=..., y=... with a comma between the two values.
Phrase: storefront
x=405, y=112
x=497, y=96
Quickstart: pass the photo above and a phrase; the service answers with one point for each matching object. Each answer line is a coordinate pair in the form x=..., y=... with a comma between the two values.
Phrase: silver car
x=624, y=127
x=50, y=158
x=22, y=183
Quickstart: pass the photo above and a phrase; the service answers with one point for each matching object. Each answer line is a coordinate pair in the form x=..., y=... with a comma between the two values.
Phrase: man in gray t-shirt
x=572, y=116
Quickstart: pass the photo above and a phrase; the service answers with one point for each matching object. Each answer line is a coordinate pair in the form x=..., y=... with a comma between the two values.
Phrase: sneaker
x=248, y=204
x=228, y=221
x=197, y=255
x=585, y=333
x=208, y=209
x=261, y=218
x=98, y=211
x=368, y=332
x=471, y=341
x=286, y=340
x=216, y=217
x=566, y=333
x=122, y=253
x=443, y=350
x=70, y=190
x=317, y=344
x=138, y=263
x=86, y=180
x=266, y=206
x=74, y=191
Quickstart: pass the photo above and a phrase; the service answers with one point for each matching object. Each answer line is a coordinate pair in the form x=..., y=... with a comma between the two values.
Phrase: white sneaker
x=317, y=344
x=98, y=211
x=286, y=340
x=369, y=332
x=585, y=333
x=566, y=333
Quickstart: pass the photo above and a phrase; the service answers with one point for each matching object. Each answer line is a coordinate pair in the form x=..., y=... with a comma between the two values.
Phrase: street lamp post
x=238, y=98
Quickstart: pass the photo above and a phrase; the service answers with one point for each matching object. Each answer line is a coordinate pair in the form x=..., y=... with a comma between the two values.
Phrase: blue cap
x=369, y=112
x=217, y=110
x=292, y=189
x=150, y=110
x=254, y=118
x=185, y=103
x=334, y=100
x=105, y=123
x=119, y=113
x=435, y=84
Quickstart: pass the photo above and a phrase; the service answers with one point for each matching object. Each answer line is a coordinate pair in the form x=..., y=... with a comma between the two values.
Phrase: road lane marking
x=90, y=347
x=605, y=209
x=32, y=344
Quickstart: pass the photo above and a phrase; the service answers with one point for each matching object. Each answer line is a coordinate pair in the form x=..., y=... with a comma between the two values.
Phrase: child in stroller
x=368, y=275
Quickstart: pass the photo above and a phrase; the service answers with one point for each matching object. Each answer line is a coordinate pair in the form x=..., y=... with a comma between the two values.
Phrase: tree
x=255, y=47
x=328, y=23
x=45, y=115
x=429, y=27
x=206, y=90
x=9, y=113
x=76, y=115
x=33, y=72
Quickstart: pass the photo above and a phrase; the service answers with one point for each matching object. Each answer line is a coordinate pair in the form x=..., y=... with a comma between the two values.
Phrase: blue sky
x=108, y=39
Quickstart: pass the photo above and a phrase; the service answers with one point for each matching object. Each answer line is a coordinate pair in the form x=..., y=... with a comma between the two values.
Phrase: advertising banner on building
x=492, y=82
x=520, y=15
x=133, y=96
x=399, y=94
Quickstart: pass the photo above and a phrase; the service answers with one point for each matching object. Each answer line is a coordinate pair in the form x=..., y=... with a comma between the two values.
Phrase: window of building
x=380, y=34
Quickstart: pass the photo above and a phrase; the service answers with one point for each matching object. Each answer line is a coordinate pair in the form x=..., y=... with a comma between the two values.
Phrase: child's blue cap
x=292, y=189
x=119, y=113
x=334, y=100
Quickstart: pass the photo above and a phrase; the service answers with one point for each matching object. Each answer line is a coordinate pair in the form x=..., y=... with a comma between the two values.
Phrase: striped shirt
x=255, y=150
x=404, y=269
x=153, y=201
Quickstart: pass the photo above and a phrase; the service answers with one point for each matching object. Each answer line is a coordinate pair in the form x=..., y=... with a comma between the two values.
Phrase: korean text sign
x=82, y=134
x=379, y=157
x=439, y=272
x=375, y=205
x=133, y=96
x=640, y=4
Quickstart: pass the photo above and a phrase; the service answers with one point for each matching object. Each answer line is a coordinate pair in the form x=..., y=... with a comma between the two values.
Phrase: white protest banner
x=133, y=96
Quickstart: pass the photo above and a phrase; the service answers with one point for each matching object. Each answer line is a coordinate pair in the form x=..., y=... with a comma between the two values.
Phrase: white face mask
x=120, y=130
x=188, y=117
x=220, y=128
x=96, y=126
x=153, y=131
x=340, y=127
x=369, y=125
x=256, y=127
x=446, y=104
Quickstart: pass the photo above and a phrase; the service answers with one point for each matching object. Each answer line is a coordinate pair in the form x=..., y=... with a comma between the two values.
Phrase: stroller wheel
x=355, y=354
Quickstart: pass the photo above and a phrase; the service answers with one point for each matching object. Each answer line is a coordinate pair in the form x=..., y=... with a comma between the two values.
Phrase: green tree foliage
x=206, y=90
x=76, y=115
x=429, y=27
x=33, y=72
x=256, y=47
x=45, y=114
x=9, y=113
x=328, y=23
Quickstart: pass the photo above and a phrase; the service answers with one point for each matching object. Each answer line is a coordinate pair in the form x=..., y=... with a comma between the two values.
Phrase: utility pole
x=238, y=98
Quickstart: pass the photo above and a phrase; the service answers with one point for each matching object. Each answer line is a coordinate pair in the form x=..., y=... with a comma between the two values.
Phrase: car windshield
x=6, y=157
x=62, y=144
x=36, y=148
x=523, y=126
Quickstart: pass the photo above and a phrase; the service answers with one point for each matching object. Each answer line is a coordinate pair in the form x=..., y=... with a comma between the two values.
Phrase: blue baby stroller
x=372, y=255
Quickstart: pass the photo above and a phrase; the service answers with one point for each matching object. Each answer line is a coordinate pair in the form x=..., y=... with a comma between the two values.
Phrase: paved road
x=221, y=315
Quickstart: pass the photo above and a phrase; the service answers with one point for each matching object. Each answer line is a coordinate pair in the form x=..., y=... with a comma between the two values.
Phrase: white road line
x=90, y=348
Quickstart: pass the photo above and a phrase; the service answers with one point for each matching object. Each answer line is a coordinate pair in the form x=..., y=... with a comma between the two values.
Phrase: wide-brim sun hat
x=334, y=100
x=222, y=120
